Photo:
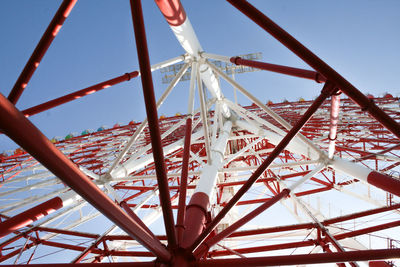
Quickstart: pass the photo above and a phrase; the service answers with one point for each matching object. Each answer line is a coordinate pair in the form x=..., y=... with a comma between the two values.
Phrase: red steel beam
x=27, y=217
x=41, y=48
x=65, y=232
x=78, y=94
x=312, y=225
x=296, y=72
x=152, y=117
x=326, y=92
x=180, y=221
x=14, y=124
x=317, y=64
x=363, y=255
x=367, y=230
x=134, y=217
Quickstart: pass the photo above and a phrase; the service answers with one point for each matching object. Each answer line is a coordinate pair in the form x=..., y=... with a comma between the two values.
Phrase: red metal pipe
x=78, y=94
x=296, y=72
x=27, y=217
x=180, y=221
x=278, y=247
x=151, y=110
x=384, y=182
x=64, y=232
x=326, y=92
x=206, y=245
x=41, y=48
x=317, y=64
x=363, y=255
x=173, y=11
x=14, y=124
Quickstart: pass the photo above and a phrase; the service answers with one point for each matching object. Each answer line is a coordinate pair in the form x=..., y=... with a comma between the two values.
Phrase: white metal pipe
x=192, y=89
x=42, y=184
x=350, y=168
x=203, y=114
x=215, y=57
x=168, y=62
x=208, y=177
x=306, y=177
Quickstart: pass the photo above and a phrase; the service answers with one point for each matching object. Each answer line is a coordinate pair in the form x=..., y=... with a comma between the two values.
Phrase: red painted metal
x=317, y=64
x=78, y=94
x=134, y=217
x=384, y=182
x=363, y=255
x=326, y=92
x=206, y=245
x=195, y=220
x=378, y=264
x=296, y=72
x=152, y=117
x=173, y=11
x=14, y=124
x=180, y=221
x=41, y=48
x=27, y=217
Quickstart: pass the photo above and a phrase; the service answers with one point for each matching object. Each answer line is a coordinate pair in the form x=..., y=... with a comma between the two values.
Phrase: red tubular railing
x=363, y=255
x=296, y=72
x=37, y=55
x=27, y=217
x=78, y=94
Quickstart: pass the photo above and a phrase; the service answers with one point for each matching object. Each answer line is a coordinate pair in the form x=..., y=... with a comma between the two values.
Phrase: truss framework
x=209, y=173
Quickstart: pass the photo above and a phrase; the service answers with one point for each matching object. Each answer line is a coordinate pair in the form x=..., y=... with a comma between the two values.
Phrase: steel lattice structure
x=290, y=183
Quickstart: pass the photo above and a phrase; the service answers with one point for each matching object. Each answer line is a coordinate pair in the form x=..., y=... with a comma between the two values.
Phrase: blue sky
x=359, y=38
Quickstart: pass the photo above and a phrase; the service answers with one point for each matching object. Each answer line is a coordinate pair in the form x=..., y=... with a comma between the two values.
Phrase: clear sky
x=359, y=38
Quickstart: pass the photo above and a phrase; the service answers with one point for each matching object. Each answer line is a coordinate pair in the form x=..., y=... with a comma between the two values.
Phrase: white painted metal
x=208, y=177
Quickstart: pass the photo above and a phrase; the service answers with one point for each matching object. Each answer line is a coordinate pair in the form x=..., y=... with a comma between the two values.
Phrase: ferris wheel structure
x=291, y=183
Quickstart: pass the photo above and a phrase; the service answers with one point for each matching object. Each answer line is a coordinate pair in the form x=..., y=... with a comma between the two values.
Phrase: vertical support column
x=41, y=48
x=27, y=217
x=151, y=110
